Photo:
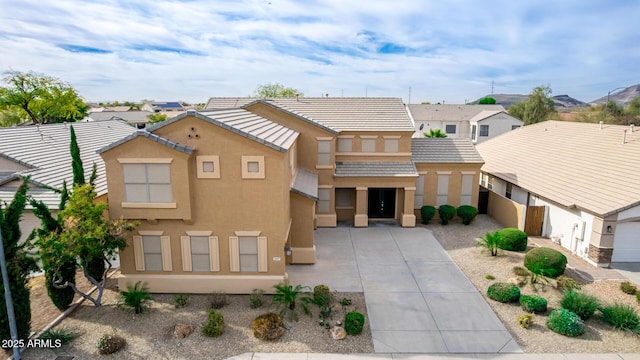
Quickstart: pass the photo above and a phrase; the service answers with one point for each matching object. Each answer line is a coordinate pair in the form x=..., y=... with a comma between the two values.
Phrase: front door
x=382, y=203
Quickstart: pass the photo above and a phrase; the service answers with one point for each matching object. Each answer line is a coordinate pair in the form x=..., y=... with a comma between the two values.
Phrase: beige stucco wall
x=8, y=165
x=455, y=171
x=507, y=212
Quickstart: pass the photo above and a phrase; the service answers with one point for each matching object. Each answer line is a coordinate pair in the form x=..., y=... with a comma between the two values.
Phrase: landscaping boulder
x=181, y=331
x=337, y=333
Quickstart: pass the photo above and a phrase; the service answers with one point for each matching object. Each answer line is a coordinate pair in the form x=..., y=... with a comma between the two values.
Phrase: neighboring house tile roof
x=487, y=114
x=144, y=133
x=45, y=150
x=376, y=168
x=444, y=150
x=306, y=184
x=129, y=116
x=244, y=123
x=449, y=112
x=216, y=103
x=338, y=114
x=574, y=164
x=167, y=105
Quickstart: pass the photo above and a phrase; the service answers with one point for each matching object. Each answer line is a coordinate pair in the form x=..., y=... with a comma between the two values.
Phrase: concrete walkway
x=316, y=356
x=418, y=300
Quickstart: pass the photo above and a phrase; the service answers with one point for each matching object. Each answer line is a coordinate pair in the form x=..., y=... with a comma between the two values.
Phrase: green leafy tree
x=19, y=265
x=537, y=107
x=276, y=90
x=435, y=133
x=156, y=118
x=10, y=117
x=487, y=101
x=42, y=99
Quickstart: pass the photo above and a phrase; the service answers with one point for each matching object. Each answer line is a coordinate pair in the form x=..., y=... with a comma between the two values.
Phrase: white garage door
x=626, y=243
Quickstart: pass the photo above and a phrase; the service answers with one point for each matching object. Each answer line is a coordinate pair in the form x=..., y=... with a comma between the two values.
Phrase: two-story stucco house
x=229, y=195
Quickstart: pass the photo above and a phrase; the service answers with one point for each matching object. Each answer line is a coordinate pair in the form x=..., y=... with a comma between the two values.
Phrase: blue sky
x=429, y=50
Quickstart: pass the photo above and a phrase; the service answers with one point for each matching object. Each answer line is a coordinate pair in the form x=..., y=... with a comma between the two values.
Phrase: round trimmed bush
x=580, y=304
x=268, y=326
x=503, y=292
x=353, y=322
x=546, y=262
x=467, y=213
x=427, y=212
x=322, y=295
x=564, y=322
x=533, y=303
x=447, y=213
x=512, y=239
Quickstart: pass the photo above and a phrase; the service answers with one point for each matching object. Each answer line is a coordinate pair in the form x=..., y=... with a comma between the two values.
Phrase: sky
x=451, y=51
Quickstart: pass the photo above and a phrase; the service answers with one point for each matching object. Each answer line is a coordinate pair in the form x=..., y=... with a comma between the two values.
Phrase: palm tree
x=435, y=133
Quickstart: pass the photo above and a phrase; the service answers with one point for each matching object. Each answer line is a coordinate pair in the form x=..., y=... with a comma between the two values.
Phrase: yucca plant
x=287, y=297
x=136, y=297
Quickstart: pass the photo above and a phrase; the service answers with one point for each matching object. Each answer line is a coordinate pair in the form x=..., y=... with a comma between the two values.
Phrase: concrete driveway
x=418, y=300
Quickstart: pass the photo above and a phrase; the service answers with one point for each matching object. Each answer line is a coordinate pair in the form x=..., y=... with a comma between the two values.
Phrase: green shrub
x=567, y=283
x=136, y=297
x=628, y=288
x=219, y=300
x=489, y=277
x=503, y=292
x=61, y=298
x=638, y=297
x=109, y=344
x=520, y=271
x=545, y=261
x=447, y=213
x=525, y=320
x=468, y=213
x=353, y=322
x=268, y=326
x=533, y=303
x=490, y=242
x=256, y=298
x=580, y=304
x=564, y=322
x=427, y=212
x=621, y=317
x=215, y=325
x=63, y=334
x=512, y=239
x=181, y=301
x=322, y=295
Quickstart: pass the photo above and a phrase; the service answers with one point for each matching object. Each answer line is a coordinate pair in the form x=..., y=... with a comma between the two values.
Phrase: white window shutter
x=138, y=253
x=262, y=254
x=166, y=253
x=214, y=253
x=234, y=254
x=185, y=244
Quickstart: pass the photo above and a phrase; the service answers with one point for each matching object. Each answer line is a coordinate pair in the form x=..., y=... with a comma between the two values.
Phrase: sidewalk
x=391, y=356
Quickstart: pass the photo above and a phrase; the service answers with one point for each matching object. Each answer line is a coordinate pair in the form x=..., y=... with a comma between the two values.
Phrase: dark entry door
x=483, y=200
x=382, y=203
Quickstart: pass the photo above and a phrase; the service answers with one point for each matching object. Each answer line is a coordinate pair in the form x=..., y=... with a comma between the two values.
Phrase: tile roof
x=130, y=116
x=444, y=150
x=486, y=114
x=306, y=184
x=337, y=113
x=376, y=168
x=45, y=150
x=574, y=164
x=244, y=123
x=448, y=112
x=144, y=133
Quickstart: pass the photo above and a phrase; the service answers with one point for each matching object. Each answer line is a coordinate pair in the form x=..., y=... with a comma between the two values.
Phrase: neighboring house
x=163, y=107
x=135, y=118
x=237, y=192
x=491, y=123
x=42, y=152
x=576, y=183
x=454, y=120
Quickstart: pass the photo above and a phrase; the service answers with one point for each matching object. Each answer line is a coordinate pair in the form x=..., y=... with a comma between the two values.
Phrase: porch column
x=361, y=219
x=408, y=216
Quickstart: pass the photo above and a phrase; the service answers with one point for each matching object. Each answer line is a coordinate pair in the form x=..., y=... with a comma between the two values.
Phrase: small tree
x=156, y=118
x=487, y=101
x=276, y=90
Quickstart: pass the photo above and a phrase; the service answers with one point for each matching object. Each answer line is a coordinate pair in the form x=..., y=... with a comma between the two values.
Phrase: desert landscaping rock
x=337, y=333
x=183, y=330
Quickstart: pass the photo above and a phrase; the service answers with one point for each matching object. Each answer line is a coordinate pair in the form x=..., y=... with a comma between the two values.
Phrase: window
x=391, y=145
x=443, y=189
x=418, y=199
x=324, y=198
x=208, y=167
x=450, y=129
x=466, y=192
x=147, y=183
x=253, y=167
x=345, y=144
x=248, y=250
x=368, y=145
x=473, y=131
x=200, y=252
x=489, y=182
x=509, y=190
x=324, y=152
x=200, y=260
x=152, y=251
x=513, y=127
x=484, y=130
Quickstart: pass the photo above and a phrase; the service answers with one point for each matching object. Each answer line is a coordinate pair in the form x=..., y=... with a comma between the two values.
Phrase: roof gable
x=448, y=112
x=144, y=133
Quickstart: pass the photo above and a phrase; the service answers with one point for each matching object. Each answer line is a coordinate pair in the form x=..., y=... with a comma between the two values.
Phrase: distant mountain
x=560, y=101
x=622, y=97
